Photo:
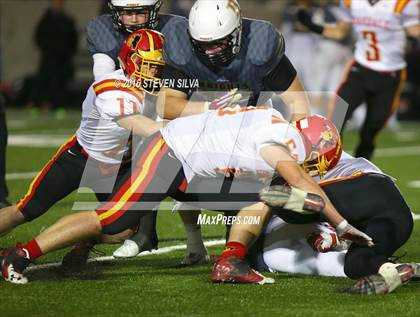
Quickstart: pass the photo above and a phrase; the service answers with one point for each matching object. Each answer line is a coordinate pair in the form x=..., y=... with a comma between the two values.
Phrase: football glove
x=292, y=199
x=346, y=231
x=327, y=242
x=230, y=98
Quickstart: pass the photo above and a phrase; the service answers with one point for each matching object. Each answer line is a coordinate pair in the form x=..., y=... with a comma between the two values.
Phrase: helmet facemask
x=151, y=12
x=318, y=165
x=221, y=52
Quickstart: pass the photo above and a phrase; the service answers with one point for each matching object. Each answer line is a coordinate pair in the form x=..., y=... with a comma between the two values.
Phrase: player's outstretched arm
x=337, y=31
x=296, y=177
x=141, y=125
x=174, y=103
x=296, y=99
x=413, y=31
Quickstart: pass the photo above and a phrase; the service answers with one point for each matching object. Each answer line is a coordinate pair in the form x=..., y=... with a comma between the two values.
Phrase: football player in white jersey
x=377, y=73
x=284, y=246
x=92, y=157
x=249, y=141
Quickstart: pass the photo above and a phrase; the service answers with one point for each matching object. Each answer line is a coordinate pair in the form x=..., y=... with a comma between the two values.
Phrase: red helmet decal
x=141, y=58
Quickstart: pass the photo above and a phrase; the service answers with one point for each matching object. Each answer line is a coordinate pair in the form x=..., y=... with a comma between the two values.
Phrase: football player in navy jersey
x=224, y=51
x=106, y=33
x=105, y=36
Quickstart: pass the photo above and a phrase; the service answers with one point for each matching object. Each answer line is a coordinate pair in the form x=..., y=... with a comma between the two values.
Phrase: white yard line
x=24, y=175
x=163, y=250
x=414, y=184
x=37, y=140
x=110, y=258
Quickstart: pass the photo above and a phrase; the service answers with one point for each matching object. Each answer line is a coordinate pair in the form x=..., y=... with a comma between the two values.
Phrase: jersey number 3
x=373, y=53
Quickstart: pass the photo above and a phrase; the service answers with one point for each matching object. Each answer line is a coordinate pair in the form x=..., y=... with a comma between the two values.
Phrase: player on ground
x=377, y=74
x=382, y=214
x=92, y=157
x=256, y=142
x=224, y=51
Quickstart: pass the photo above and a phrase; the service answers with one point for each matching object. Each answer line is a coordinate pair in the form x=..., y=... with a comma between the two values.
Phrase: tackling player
x=256, y=142
x=224, y=51
x=101, y=142
x=377, y=73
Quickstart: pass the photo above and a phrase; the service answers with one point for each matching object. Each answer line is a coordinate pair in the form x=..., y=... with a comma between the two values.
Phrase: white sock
x=194, y=239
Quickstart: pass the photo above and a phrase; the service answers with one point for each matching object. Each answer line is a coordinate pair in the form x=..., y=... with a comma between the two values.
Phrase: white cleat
x=13, y=276
x=129, y=249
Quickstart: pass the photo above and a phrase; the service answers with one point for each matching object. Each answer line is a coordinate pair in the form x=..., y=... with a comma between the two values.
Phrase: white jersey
x=379, y=31
x=229, y=140
x=287, y=250
x=349, y=166
x=108, y=100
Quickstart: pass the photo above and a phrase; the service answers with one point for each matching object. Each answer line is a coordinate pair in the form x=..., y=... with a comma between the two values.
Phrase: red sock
x=33, y=249
x=235, y=249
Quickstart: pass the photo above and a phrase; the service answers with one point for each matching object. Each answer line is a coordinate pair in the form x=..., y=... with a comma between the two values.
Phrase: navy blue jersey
x=262, y=51
x=102, y=37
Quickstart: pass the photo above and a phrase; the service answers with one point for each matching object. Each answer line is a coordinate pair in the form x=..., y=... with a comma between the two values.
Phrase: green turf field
x=152, y=285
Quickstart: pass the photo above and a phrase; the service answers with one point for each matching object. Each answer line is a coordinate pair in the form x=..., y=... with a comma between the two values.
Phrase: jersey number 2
x=373, y=53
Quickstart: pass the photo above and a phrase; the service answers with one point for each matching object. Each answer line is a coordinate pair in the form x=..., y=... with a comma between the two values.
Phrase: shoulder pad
x=178, y=49
x=102, y=36
x=167, y=18
x=265, y=43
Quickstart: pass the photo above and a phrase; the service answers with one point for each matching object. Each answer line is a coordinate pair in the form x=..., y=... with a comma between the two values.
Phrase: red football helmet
x=141, y=58
x=322, y=142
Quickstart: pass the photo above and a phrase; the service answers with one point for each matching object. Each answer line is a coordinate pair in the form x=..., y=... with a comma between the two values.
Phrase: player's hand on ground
x=346, y=231
x=230, y=98
x=327, y=242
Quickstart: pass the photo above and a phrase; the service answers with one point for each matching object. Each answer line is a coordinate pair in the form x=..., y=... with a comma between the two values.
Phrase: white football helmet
x=215, y=28
x=150, y=7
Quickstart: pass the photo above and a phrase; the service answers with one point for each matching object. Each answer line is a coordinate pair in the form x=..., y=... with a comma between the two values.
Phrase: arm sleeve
x=102, y=65
x=411, y=14
x=172, y=77
x=281, y=77
x=113, y=105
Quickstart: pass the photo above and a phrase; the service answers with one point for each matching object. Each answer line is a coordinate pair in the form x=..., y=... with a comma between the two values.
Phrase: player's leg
x=196, y=251
x=144, y=239
x=383, y=215
x=349, y=95
x=59, y=177
x=380, y=107
x=232, y=267
x=155, y=175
